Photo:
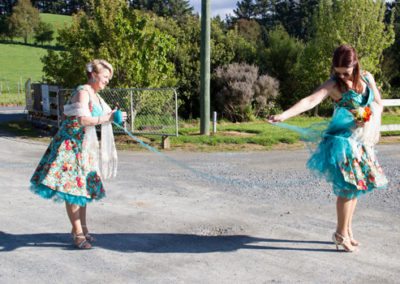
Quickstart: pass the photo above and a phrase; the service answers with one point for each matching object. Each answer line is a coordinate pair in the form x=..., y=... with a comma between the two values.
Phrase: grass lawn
x=19, y=63
x=257, y=135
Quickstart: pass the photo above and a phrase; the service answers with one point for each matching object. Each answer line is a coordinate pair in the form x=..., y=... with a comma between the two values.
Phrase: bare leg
x=82, y=214
x=343, y=209
x=85, y=229
x=73, y=212
x=353, y=208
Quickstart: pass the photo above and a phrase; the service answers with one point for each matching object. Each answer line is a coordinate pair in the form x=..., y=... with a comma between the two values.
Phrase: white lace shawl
x=103, y=160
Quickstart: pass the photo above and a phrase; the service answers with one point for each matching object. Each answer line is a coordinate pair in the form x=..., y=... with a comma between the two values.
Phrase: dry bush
x=242, y=94
x=266, y=90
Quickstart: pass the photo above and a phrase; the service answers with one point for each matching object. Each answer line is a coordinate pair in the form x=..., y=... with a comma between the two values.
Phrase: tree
x=6, y=7
x=5, y=30
x=246, y=9
x=294, y=15
x=279, y=60
x=249, y=29
x=126, y=38
x=24, y=19
x=177, y=9
x=241, y=94
x=186, y=58
x=61, y=7
x=227, y=46
x=391, y=62
x=359, y=23
x=43, y=32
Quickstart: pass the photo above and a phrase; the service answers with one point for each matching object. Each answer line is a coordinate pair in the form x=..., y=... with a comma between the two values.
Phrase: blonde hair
x=97, y=65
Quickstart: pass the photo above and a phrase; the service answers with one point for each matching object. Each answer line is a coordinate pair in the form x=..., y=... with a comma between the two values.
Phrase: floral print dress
x=343, y=156
x=66, y=172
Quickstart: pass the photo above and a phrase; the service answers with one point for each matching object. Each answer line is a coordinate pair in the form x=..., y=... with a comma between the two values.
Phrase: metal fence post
x=176, y=114
x=131, y=109
x=214, y=122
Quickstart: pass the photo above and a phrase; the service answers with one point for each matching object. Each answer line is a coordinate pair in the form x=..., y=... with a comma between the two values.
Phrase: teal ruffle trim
x=350, y=194
x=57, y=196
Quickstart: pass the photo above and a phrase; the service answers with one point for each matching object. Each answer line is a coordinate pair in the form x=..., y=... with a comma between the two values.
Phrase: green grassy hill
x=20, y=62
x=57, y=21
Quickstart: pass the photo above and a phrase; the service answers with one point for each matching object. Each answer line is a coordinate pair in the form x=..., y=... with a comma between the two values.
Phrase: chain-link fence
x=149, y=110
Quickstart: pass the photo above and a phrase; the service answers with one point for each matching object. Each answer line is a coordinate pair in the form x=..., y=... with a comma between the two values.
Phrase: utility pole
x=205, y=68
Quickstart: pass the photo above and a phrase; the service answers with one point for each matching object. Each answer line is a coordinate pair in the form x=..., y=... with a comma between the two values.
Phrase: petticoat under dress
x=345, y=154
x=69, y=170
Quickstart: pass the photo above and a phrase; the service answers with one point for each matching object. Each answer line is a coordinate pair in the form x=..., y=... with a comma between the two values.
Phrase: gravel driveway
x=256, y=217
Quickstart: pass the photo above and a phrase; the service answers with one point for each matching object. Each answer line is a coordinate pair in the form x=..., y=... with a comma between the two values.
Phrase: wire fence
x=11, y=88
x=152, y=111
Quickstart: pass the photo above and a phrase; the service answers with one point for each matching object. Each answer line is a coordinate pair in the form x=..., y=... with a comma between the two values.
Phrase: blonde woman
x=74, y=164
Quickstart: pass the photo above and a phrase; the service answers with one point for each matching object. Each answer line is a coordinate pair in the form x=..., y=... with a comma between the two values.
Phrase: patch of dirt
x=236, y=133
x=389, y=139
x=218, y=148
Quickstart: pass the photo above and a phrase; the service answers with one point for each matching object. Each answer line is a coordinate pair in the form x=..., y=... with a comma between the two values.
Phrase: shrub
x=242, y=94
x=265, y=92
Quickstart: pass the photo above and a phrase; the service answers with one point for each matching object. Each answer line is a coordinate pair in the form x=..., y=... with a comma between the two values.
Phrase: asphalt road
x=256, y=217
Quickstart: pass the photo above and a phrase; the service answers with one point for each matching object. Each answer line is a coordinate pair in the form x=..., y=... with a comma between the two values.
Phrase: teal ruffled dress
x=65, y=172
x=342, y=157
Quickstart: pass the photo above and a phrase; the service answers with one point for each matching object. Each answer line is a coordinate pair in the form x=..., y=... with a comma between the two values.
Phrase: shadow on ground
x=5, y=117
x=162, y=243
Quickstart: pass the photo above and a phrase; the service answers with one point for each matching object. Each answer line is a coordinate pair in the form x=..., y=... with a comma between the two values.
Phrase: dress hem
x=58, y=197
x=356, y=193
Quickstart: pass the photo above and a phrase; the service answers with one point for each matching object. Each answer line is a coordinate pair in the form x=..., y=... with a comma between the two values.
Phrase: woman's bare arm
x=306, y=103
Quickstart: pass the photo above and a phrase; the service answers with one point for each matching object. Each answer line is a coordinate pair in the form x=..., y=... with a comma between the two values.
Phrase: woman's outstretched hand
x=275, y=118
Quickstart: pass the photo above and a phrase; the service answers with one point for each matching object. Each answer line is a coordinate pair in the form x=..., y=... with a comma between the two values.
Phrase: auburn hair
x=345, y=56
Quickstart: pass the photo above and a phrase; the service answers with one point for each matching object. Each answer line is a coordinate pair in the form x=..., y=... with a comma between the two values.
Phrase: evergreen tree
x=246, y=9
x=6, y=6
x=176, y=9
x=294, y=15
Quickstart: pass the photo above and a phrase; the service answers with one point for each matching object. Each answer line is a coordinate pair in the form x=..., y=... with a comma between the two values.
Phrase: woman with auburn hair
x=345, y=155
x=74, y=165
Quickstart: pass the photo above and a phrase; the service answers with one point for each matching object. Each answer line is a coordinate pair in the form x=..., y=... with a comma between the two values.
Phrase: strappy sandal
x=84, y=244
x=88, y=236
x=343, y=241
x=353, y=242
